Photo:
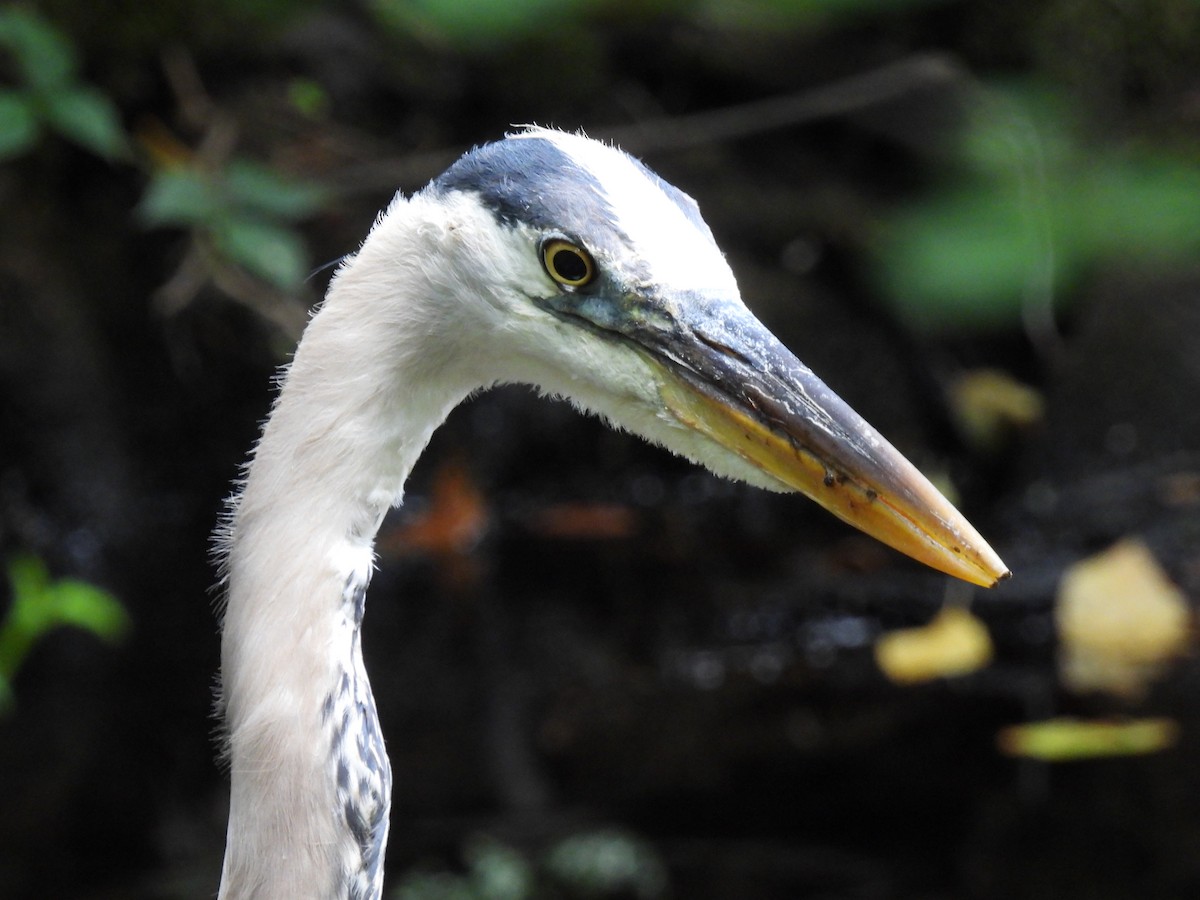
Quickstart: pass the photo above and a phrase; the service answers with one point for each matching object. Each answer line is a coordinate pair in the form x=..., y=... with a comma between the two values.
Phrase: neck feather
x=310, y=779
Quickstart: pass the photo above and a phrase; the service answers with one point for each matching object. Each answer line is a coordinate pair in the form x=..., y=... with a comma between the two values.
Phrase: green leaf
x=39, y=605
x=31, y=612
x=180, y=196
x=91, y=608
x=259, y=189
x=45, y=56
x=607, y=862
x=499, y=872
x=7, y=701
x=962, y=259
x=18, y=124
x=271, y=252
x=1147, y=208
x=309, y=98
x=1067, y=739
x=1033, y=208
x=89, y=118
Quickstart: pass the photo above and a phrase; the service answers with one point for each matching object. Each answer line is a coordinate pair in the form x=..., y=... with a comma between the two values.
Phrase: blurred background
x=602, y=673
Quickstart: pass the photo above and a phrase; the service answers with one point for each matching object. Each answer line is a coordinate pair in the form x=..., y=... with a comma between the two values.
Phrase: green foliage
x=40, y=605
x=775, y=14
x=18, y=124
x=50, y=95
x=44, y=57
x=490, y=24
x=607, y=862
x=243, y=209
x=494, y=872
x=308, y=97
x=1033, y=208
x=480, y=23
x=596, y=864
x=499, y=872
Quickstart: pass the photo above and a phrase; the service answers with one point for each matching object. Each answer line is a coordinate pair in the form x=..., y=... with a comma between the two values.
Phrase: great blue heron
x=545, y=258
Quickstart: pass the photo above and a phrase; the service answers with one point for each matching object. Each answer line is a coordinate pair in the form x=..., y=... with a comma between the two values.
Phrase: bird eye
x=568, y=264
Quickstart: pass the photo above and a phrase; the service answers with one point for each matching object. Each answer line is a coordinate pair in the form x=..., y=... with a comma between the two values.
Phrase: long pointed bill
x=728, y=377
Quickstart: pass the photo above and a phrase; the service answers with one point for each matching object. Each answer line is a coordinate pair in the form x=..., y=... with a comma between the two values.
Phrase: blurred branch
x=201, y=266
x=839, y=98
x=1029, y=169
x=675, y=133
x=196, y=107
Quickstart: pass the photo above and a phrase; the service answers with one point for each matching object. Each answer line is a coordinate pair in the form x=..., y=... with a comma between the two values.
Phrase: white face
x=505, y=319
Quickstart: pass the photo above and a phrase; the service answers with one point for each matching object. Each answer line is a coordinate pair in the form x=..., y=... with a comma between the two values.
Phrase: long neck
x=310, y=779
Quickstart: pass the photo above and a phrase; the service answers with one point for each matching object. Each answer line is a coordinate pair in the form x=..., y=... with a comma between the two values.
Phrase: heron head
x=604, y=284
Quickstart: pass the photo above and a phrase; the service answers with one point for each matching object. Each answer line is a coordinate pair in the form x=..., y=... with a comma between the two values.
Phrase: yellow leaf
x=953, y=643
x=990, y=404
x=1120, y=620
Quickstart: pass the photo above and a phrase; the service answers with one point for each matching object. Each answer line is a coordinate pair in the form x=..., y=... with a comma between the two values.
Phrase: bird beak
x=727, y=376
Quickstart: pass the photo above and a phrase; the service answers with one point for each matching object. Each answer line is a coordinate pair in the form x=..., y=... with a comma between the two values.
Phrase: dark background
x=575, y=634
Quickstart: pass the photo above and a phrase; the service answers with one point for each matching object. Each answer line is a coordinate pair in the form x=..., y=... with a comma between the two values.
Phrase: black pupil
x=569, y=265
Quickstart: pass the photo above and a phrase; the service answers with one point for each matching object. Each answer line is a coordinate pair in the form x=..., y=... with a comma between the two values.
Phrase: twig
x=675, y=133
x=858, y=92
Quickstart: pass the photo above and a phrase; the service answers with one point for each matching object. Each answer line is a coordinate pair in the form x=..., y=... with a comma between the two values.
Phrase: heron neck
x=310, y=782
